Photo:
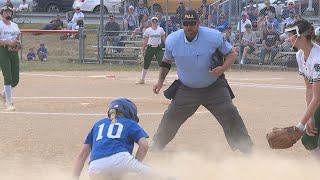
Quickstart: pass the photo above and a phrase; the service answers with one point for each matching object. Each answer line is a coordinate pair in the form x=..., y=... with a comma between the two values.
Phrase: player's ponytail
x=112, y=115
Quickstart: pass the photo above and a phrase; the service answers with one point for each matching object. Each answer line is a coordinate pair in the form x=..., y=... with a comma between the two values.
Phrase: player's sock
x=8, y=92
x=144, y=73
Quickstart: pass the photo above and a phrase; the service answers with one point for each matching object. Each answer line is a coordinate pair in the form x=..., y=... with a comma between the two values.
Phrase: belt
x=154, y=46
x=5, y=46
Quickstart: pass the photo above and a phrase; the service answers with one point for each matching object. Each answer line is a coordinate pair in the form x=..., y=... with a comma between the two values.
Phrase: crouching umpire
x=200, y=83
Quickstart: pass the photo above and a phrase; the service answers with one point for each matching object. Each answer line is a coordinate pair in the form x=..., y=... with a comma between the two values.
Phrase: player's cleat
x=9, y=108
x=141, y=81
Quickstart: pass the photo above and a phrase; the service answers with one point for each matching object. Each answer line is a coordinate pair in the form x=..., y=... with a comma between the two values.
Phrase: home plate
x=103, y=76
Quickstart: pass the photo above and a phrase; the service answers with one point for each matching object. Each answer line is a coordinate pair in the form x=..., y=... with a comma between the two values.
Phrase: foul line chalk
x=83, y=114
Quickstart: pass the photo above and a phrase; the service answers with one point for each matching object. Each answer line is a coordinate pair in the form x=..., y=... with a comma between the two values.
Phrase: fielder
x=111, y=142
x=9, y=58
x=153, y=37
x=300, y=35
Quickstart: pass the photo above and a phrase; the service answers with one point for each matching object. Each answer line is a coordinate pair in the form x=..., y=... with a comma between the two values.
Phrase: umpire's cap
x=4, y=8
x=127, y=107
x=190, y=15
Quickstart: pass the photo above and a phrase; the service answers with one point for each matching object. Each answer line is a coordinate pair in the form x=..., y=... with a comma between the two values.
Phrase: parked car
x=16, y=3
x=110, y=6
x=52, y=5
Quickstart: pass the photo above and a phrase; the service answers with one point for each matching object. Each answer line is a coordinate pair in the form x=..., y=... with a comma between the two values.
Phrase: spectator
x=42, y=52
x=289, y=9
x=112, y=37
x=269, y=20
x=270, y=43
x=203, y=5
x=244, y=20
x=179, y=11
x=265, y=12
x=229, y=36
x=252, y=12
x=204, y=17
x=31, y=56
x=141, y=10
x=55, y=24
x=290, y=19
x=171, y=27
x=9, y=3
x=248, y=43
x=77, y=17
x=268, y=9
x=24, y=6
x=222, y=24
x=130, y=20
x=162, y=22
x=287, y=22
x=274, y=22
x=145, y=23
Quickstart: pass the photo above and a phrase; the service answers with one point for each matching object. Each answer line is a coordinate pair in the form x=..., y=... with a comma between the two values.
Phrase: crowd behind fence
x=255, y=28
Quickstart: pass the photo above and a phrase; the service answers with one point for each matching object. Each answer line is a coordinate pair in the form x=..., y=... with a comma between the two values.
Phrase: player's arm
x=163, y=38
x=308, y=90
x=81, y=159
x=313, y=96
x=142, y=149
x=229, y=59
x=145, y=42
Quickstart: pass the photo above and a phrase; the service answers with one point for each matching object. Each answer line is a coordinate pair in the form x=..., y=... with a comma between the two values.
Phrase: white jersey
x=154, y=35
x=311, y=67
x=9, y=32
x=24, y=6
x=77, y=16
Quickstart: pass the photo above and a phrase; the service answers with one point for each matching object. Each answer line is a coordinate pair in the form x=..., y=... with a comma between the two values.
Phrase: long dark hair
x=305, y=29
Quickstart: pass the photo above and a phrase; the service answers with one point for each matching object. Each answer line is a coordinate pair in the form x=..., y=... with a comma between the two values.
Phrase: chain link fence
x=255, y=28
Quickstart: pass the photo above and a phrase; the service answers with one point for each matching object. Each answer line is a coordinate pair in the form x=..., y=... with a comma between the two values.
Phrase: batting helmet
x=127, y=107
x=316, y=38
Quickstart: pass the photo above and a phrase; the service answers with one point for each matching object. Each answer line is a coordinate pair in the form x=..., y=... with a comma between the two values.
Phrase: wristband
x=300, y=126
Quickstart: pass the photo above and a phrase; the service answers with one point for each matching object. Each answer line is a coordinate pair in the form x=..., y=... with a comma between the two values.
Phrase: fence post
x=240, y=37
x=101, y=50
x=81, y=45
x=167, y=18
x=151, y=6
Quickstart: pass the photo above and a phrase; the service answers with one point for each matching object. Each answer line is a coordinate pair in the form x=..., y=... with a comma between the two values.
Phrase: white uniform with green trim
x=311, y=67
x=9, y=32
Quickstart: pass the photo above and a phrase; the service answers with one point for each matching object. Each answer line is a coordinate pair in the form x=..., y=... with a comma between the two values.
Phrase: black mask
x=9, y=18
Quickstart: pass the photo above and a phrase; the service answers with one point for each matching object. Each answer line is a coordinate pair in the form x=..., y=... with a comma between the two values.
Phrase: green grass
x=63, y=65
x=61, y=51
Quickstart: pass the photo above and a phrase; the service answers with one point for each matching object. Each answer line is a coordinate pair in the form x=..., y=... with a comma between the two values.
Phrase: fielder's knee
x=310, y=142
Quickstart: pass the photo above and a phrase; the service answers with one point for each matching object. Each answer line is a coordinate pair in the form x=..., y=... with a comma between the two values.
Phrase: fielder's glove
x=15, y=48
x=283, y=138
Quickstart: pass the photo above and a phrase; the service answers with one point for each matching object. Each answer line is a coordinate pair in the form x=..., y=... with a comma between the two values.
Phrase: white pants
x=117, y=165
x=72, y=25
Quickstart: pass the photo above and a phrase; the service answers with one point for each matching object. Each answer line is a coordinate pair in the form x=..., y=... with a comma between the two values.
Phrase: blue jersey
x=106, y=138
x=193, y=59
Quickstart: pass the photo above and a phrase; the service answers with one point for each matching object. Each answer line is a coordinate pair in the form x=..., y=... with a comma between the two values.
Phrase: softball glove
x=15, y=48
x=283, y=138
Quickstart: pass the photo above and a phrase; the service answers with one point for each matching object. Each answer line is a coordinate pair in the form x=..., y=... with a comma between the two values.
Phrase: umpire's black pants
x=217, y=100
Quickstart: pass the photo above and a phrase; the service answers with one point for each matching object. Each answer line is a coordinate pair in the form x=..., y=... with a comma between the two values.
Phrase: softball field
x=55, y=111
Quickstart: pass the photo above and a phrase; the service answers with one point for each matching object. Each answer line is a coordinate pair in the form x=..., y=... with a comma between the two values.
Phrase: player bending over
x=111, y=142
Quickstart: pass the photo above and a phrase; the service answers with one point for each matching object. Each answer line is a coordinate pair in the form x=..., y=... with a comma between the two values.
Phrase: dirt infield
x=55, y=111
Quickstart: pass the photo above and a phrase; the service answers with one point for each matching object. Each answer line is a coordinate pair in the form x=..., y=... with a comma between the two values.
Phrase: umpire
x=192, y=48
